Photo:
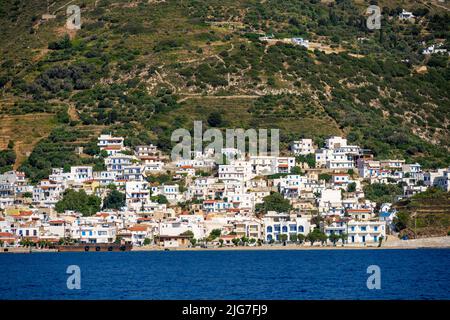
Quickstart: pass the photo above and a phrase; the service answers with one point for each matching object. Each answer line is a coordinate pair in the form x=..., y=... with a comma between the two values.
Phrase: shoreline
x=287, y=248
x=395, y=244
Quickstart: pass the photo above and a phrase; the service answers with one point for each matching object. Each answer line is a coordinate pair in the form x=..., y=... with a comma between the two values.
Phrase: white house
x=433, y=49
x=110, y=144
x=81, y=174
x=118, y=161
x=365, y=231
x=237, y=170
x=276, y=224
x=300, y=42
x=405, y=15
x=137, y=194
x=302, y=147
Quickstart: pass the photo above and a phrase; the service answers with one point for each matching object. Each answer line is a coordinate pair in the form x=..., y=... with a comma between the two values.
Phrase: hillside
x=145, y=68
x=425, y=214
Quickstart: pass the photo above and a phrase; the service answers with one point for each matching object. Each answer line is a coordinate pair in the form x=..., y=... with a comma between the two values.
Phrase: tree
x=188, y=233
x=323, y=238
x=215, y=233
x=114, y=200
x=193, y=241
x=244, y=240
x=310, y=159
x=401, y=220
x=293, y=237
x=301, y=238
x=283, y=237
x=382, y=193
x=334, y=238
x=311, y=237
x=380, y=240
x=296, y=170
x=215, y=119
x=78, y=201
x=316, y=235
x=236, y=241
x=161, y=199
x=60, y=44
x=325, y=176
x=274, y=202
x=147, y=241
x=344, y=238
x=351, y=187
x=221, y=242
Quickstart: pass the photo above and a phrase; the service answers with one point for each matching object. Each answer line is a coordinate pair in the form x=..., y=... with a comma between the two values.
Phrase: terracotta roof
x=112, y=148
x=102, y=214
x=138, y=228
x=6, y=235
x=56, y=221
x=229, y=236
x=144, y=219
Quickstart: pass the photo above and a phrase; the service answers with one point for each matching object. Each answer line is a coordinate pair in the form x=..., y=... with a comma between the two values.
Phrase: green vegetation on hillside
x=143, y=69
x=78, y=201
x=424, y=214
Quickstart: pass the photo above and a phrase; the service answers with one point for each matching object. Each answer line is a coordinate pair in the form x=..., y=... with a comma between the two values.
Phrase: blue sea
x=260, y=274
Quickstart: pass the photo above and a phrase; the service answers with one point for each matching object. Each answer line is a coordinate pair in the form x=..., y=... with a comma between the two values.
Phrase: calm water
x=330, y=274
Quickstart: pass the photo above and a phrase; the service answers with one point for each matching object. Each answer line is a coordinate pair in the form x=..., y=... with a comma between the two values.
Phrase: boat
x=94, y=247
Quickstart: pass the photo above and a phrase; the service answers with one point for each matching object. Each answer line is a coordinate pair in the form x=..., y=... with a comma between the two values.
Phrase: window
x=277, y=227
x=269, y=229
x=375, y=228
x=285, y=229
x=363, y=228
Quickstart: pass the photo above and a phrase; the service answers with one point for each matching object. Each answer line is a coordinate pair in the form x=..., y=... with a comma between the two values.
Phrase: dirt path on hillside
x=199, y=95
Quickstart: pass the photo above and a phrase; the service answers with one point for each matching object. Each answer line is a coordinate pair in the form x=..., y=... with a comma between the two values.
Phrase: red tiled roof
x=138, y=228
x=112, y=148
x=6, y=235
x=56, y=221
